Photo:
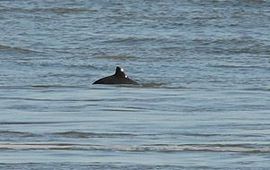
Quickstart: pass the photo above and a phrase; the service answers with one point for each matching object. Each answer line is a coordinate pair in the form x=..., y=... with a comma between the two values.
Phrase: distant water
x=203, y=102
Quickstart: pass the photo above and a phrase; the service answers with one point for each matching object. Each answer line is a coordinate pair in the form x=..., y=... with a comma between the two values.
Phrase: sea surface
x=204, y=96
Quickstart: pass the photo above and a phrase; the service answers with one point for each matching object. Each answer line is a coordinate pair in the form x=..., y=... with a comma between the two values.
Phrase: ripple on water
x=6, y=48
x=76, y=134
x=241, y=148
x=7, y=134
x=55, y=10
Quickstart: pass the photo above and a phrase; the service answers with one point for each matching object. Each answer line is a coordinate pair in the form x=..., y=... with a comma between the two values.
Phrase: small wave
x=236, y=66
x=67, y=10
x=266, y=89
x=153, y=85
x=54, y=86
x=131, y=39
x=117, y=57
x=37, y=122
x=214, y=135
x=95, y=165
x=56, y=10
x=47, y=99
x=242, y=148
x=75, y=134
x=238, y=45
x=120, y=110
x=227, y=41
x=80, y=66
x=16, y=134
x=14, y=87
x=17, y=49
x=253, y=1
x=161, y=86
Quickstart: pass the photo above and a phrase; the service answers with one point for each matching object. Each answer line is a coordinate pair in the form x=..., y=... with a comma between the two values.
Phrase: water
x=203, y=102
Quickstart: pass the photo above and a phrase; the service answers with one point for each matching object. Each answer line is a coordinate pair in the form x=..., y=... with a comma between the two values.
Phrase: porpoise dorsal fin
x=119, y=72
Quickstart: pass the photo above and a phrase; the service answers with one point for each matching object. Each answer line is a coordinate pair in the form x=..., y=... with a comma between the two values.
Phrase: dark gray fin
x=119, y=72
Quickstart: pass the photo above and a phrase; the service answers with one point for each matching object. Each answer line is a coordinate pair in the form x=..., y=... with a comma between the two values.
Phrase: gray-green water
x=203, y=102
